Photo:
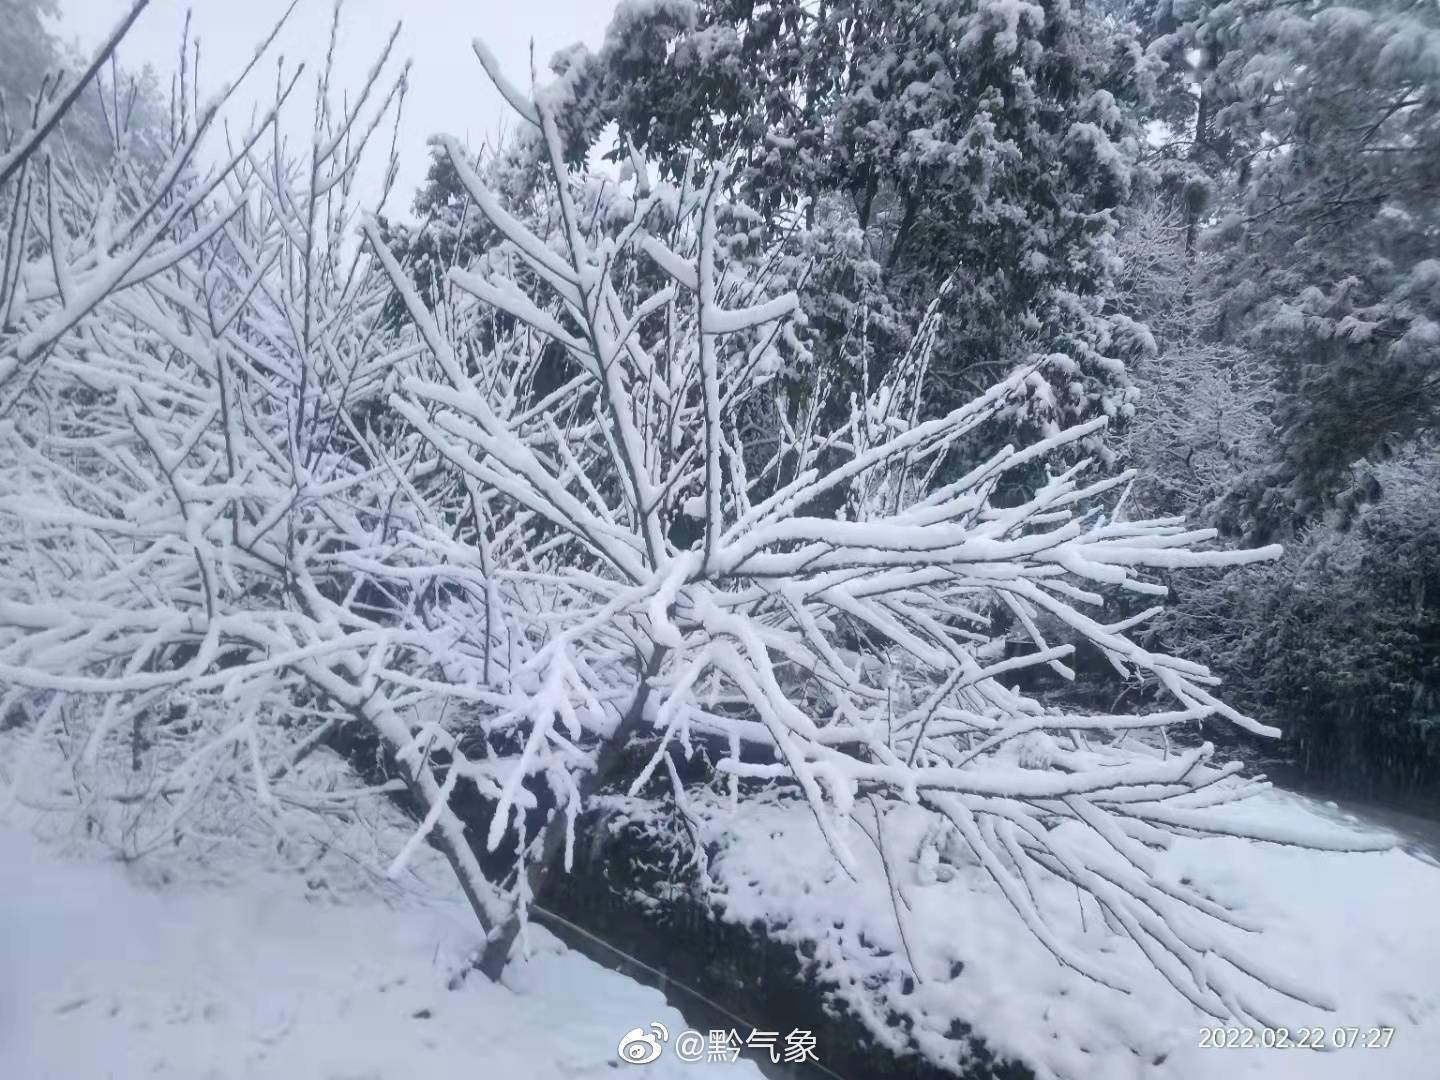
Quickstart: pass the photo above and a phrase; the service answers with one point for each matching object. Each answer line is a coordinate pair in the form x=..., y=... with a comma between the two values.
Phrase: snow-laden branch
x=192, y=475
x=853, y=655
x=513, y=541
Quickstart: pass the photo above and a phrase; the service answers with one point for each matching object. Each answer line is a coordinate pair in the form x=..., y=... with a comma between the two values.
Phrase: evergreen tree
x=892, y=148
x=980, y=142
x=1331, y=253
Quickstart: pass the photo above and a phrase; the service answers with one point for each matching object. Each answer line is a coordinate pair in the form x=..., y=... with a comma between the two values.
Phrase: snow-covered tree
x=761, y=628
x=518, y=544
x=1329, y=255
x=1203, y=404
x=894, y=147
x=187, y=459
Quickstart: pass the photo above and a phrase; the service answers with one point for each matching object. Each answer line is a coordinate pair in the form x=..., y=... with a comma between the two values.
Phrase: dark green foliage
x=1296, y=390
x=1331, y=252
x=1340, y=642
x=971, y=141
x=885, y=148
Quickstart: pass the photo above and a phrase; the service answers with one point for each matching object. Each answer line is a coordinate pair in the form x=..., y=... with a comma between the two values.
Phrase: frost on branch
x=680, y=587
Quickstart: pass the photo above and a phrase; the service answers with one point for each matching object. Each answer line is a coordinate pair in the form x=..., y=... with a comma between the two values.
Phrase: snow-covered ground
x=104, y=976
x=1362, y=929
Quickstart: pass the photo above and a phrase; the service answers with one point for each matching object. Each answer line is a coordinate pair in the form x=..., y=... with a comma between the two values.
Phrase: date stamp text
x=1305, y=1038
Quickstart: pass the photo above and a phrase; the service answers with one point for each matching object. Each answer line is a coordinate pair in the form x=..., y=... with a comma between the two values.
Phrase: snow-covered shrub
x=1337, y=640
x=850, y=656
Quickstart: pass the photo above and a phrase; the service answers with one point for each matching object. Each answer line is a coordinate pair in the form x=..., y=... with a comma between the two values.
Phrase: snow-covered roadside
x=102, y=976
x=1363, y=927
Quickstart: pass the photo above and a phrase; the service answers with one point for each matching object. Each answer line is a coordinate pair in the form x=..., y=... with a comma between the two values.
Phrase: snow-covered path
x=101, y=977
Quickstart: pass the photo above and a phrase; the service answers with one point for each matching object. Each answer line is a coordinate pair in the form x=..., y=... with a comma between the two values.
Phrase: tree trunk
x=541, y=873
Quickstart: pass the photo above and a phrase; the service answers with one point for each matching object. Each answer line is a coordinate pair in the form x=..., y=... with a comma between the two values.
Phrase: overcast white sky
x=448, y=89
